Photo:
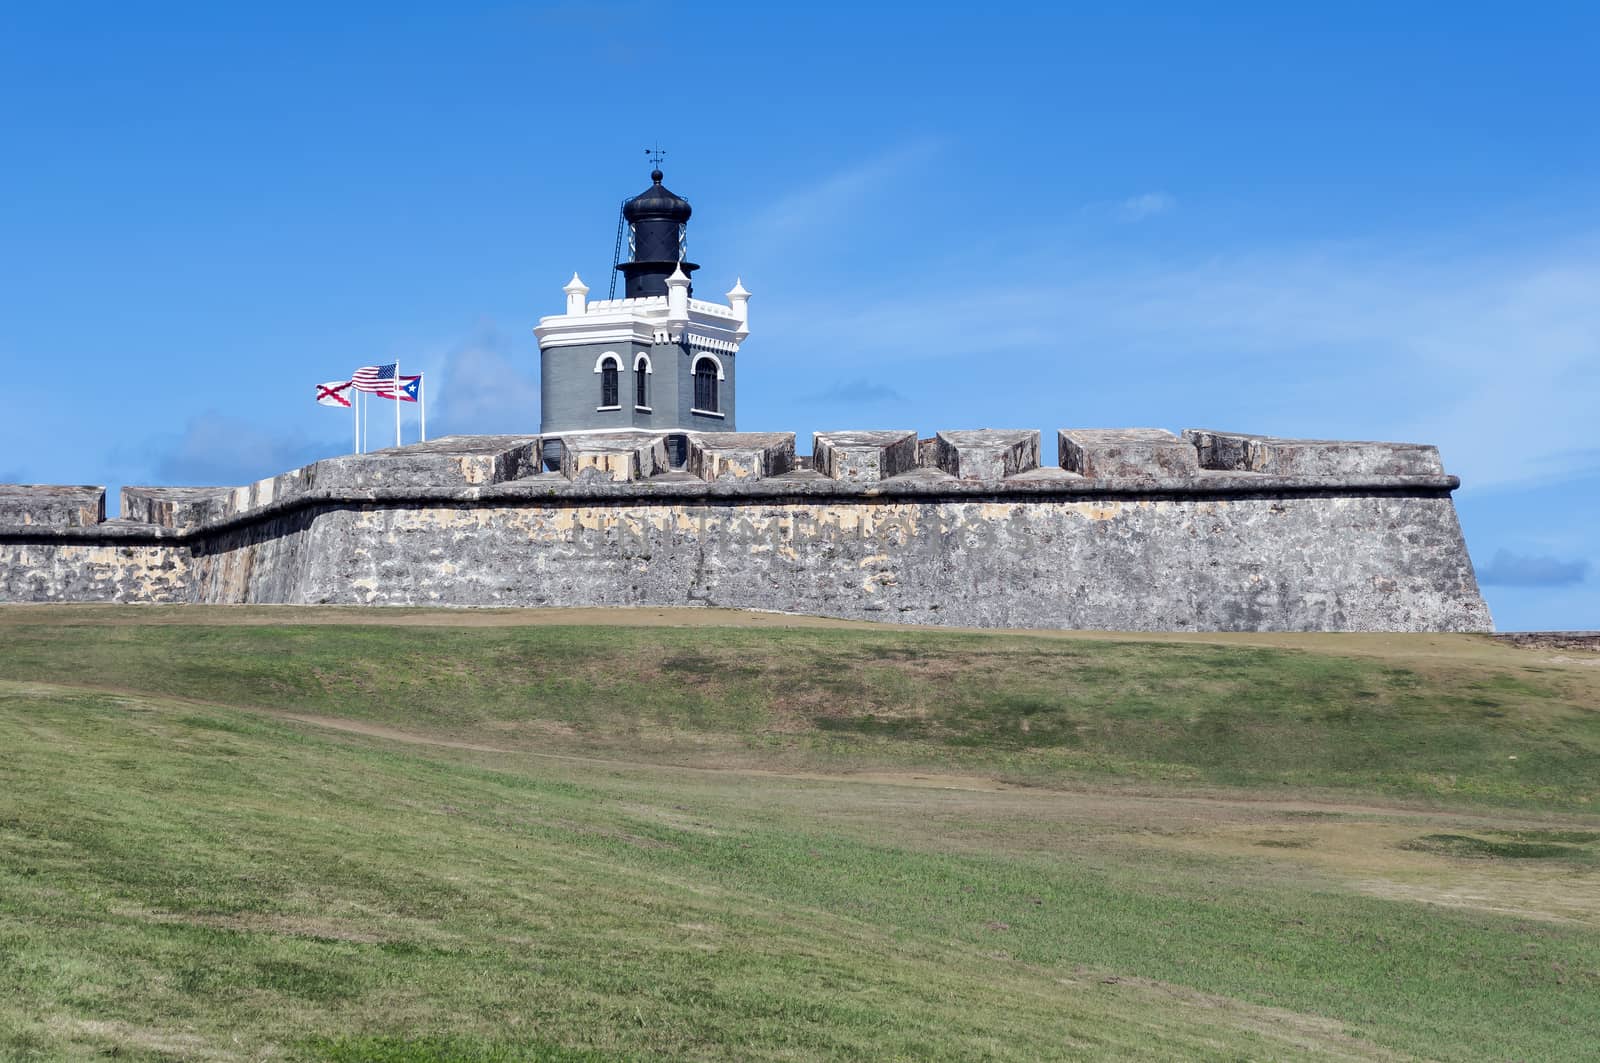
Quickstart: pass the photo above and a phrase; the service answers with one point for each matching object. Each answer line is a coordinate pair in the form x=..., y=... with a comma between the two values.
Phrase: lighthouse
x=657, y=359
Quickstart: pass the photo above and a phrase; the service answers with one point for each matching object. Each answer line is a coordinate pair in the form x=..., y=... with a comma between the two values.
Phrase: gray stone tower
x=656, y=359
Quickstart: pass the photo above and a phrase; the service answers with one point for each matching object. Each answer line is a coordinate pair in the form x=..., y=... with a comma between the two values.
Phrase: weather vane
x=656, y=155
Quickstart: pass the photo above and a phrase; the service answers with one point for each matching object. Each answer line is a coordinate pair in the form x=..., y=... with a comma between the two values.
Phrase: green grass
x=1040, y=710
x=184, y=875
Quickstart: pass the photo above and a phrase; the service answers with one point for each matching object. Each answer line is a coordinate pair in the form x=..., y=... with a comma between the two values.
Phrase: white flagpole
x=397, y=402
x=422, y=401
x=355, y=419
x=366, y=424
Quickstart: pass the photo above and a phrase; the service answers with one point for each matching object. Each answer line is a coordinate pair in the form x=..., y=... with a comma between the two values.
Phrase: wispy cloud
x=1147, y=205
x=822, y=213
x=822, y=199
x=217, y=450
x=1489, y=355
x=858, y=391
x=1521, y=570
x=1135, y=208
x=485, y=388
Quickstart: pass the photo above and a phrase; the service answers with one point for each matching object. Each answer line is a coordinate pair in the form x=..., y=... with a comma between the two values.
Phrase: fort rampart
x=1135, y=530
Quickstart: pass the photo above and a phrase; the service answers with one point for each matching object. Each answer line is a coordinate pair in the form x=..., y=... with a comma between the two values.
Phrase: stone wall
x=1139, y=530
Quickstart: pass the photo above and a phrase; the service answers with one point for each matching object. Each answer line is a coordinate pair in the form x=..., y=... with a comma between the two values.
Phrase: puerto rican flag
x=409, y=386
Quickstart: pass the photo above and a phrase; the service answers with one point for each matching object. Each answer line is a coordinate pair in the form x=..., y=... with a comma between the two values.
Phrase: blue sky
x=1365, y=221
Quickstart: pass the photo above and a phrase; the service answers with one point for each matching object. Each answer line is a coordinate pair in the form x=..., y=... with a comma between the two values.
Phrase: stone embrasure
x=1138, y=529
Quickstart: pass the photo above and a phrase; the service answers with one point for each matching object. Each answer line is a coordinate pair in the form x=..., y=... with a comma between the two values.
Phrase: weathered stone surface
x=1248, y=563
x=623, y=456
x=283, y=487
x=180, y=508
x=1126, y=452
x=740, y=456
x=85, y=570
x=1213, y=550
x=1241, y=452
x=986, y=454
x=863, y=456
x=51, y=505
x=450, y=460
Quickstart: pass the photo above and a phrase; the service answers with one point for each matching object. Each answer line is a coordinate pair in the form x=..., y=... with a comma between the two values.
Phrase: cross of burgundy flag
x=333, y=394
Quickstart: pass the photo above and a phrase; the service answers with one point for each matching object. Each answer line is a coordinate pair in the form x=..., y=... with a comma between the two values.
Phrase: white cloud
x=825, y=209
x=1492, y=356
x=1148, y=205
x=485, y=387
x=218, y=450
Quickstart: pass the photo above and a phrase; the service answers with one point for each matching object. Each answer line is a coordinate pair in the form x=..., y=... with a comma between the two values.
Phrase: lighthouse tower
x=657, y=359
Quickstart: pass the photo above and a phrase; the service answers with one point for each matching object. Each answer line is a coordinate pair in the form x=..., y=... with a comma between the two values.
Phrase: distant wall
x=1140, y=530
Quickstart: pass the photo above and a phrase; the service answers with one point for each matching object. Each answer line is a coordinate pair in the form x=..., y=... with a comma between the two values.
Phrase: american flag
x=375, y=378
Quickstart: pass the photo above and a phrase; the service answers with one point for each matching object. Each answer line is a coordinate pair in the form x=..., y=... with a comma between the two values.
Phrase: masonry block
x=740, y=456
x=279, y=488
x=1242, y=452
x=179, y=508
x=864, y=456
x=450, y=461
x=51, y=505
x=1147, y=453
x=621, y=457
x=986, y=454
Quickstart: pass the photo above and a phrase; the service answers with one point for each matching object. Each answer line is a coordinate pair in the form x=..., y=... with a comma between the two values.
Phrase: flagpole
x=355, y=420
x=422, y=401
x=397, y=402
x=366, y=424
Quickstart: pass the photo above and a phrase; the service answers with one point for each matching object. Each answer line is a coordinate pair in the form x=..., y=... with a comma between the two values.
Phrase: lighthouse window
x=608, y=383
x=705, y=385
x=641, y=393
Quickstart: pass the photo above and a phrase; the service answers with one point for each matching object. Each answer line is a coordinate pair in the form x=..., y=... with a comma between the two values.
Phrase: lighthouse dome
x=657, y=203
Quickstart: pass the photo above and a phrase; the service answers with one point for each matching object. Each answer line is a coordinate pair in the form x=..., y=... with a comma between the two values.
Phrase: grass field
x=365, y=836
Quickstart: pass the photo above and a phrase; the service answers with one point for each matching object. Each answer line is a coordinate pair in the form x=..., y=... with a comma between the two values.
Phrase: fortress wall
x=90, y=570
x=266, y=562
x=1373, y=562
x=981, y=538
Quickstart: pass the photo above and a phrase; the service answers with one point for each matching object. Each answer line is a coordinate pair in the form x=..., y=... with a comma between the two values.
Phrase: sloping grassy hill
x=317, y=835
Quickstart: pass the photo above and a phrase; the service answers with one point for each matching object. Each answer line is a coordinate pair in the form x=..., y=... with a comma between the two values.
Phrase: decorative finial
x=655, y=154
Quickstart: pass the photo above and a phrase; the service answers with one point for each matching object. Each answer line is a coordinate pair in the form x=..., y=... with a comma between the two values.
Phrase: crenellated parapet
x=881, y=463
x=1130, y=529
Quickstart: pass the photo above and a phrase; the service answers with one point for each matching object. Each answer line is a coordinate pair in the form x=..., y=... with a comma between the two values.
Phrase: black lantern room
x=657, y=223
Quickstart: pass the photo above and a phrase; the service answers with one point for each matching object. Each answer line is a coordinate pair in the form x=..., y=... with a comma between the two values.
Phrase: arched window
x=608, y=382
x=705, y=385
x=641, y=382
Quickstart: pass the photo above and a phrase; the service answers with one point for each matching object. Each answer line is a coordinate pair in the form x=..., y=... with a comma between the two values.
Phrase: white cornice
x=710, y=326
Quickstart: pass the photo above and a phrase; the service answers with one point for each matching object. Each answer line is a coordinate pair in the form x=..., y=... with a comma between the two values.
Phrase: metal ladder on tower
x=616, y=250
